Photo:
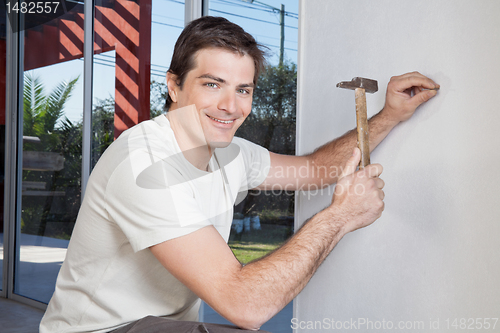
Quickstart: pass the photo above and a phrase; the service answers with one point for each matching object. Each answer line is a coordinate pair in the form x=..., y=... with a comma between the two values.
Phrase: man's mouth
x=221, y=121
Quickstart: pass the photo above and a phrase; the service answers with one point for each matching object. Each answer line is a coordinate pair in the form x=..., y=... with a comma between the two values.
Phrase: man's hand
x=250, y=295
x=317, y=170
x=405, y=93
x=358, y=196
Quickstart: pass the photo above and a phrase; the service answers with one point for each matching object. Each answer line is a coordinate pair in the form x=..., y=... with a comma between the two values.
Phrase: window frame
x=13, y=133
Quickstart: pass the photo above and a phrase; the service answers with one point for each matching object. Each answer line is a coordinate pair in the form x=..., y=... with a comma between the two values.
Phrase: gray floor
x=39, y=264
x=18, y=318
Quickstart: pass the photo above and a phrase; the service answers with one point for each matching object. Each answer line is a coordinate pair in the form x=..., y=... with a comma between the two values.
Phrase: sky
x=257, y=18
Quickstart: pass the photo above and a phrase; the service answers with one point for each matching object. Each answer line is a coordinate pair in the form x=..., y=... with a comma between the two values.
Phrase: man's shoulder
x=152, y=136
x=139, y=146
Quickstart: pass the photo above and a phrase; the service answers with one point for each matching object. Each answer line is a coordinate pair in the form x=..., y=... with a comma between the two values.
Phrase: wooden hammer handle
x=362, y=127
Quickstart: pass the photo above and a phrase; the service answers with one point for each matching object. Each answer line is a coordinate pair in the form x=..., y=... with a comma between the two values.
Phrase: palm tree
x=41, y=111
x=42, y=115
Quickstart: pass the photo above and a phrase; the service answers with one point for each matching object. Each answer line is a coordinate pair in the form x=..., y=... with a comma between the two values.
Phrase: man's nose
x=227, y=102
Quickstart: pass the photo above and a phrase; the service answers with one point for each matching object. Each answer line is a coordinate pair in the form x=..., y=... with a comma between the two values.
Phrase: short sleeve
x=155, y=207
x=257, y=163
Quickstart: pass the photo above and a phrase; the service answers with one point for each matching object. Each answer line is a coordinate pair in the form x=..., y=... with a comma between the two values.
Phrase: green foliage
x=272, y=121
x=44, y=118
x=103, y=128
x=275, y=95
x=42, y=111
x=159, y=93
x=271, y=124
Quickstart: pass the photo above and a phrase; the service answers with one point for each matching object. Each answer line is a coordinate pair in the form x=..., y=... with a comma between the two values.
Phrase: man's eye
x=211, y=85
x=244, y=91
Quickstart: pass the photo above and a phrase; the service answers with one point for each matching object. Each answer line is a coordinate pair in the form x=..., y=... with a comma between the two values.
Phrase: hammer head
x=369, y=85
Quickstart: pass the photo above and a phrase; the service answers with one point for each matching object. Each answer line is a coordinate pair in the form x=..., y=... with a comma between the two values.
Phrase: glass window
x=52, y=116
x=52, y=111
x=51, y=154
x=263, y=221
x=3, y=49
x=133, y=45
x=167, y=25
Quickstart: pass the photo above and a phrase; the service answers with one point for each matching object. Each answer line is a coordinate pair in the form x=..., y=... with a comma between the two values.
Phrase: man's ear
x=172, y=86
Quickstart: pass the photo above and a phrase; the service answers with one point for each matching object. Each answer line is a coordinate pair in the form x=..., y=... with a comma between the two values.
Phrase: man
x=151, y=235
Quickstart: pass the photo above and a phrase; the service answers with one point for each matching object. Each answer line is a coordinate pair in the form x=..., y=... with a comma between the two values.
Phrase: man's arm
x=250, y=295
x=322, y=167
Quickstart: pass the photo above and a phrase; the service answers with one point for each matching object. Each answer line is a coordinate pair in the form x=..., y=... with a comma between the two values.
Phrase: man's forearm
x=379, y=126
x=274, y=280
x=249, y=295
x=268, y=284
x=334, y=154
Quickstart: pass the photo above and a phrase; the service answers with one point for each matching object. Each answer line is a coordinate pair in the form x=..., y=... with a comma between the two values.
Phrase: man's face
x=221, y=88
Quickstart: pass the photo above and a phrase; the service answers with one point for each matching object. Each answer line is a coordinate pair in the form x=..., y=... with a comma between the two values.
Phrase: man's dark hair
x=208, y=32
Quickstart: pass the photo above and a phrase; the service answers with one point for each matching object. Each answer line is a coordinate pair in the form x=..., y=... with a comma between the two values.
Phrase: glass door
x=127, y=89
x=52, y=95
x=3, y=49
x=264, y=220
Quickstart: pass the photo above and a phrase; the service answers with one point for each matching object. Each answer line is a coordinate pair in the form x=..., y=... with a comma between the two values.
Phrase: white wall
x=435, y=252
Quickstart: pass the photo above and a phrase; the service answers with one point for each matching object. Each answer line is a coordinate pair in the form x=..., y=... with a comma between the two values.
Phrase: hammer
x=360, y=86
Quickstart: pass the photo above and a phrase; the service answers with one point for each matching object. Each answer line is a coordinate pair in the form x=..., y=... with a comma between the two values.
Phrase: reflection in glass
x=2, y=139
x=264, y=220
x=267, y=219
x=129, y=64
x=51, y=158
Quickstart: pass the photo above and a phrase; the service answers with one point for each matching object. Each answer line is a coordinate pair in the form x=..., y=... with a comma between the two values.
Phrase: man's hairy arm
x=322, y=167
x=250, y=295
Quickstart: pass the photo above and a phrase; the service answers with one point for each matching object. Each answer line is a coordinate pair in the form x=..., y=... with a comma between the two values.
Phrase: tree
x=272, y=121
x=272, y=125
x=103, y=127
x=42, y=113
x=159, y=93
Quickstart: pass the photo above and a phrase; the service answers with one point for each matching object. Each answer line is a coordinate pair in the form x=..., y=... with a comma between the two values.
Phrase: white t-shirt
x=143, y=192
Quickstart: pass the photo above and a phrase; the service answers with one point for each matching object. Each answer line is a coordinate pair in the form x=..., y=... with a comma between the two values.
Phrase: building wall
x=434, y=254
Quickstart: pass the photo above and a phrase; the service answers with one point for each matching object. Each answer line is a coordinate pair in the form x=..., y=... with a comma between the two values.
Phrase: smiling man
x=220, y=88
x=151, y=236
